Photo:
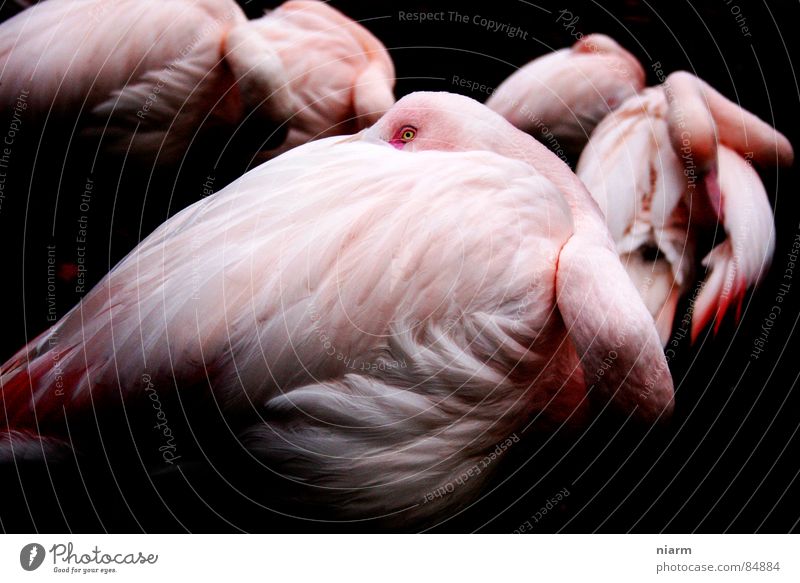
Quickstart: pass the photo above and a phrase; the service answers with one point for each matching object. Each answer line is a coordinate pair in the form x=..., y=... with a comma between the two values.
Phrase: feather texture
x=300, y=301
x=151, y=76
x=667, y=166
x=560, y=98
x=390, y=315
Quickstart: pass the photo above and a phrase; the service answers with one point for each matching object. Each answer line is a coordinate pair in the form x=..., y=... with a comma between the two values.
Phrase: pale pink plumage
x=393, y=315
x=560, y=98
x=150, y=75
x=341, y=75
x=669, y=164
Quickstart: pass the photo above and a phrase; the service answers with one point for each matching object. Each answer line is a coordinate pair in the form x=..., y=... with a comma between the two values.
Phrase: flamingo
x=152, y=77
x=373, y=314
x=142, y=106
x=670, y=164
x=560, y=98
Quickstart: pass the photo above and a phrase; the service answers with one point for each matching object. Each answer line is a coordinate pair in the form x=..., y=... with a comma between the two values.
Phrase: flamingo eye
x=403, y=136
x=408, y=133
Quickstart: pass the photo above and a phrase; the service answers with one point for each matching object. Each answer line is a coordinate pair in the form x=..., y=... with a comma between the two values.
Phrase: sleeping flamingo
x=675, y=162
x=143, y=106
x=152, y=77
x=373, y=314
x=560, y=98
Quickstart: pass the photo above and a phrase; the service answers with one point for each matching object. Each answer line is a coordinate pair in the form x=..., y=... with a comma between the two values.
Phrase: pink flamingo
x=392, y=304
x=560, y=98
x=670, y=164
x=150, y=76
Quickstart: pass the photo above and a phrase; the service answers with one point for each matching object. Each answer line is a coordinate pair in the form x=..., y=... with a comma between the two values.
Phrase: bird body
x=387, y=315
x=341, y=75
x=668, y=165
x=559, y=98
x=149, y=76
x=641, y=189
x=665, y=165
x=144, y=76
x=120, y=103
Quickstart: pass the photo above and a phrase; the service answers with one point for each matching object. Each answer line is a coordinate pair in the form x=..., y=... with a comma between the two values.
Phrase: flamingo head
x=455, y=123
x=445, y=122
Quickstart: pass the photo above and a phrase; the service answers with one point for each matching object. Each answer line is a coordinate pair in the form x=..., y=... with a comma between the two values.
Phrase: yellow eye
x=408, y=134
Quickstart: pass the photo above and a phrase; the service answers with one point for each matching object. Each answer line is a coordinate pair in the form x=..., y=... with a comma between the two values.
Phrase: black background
x=728, y=461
